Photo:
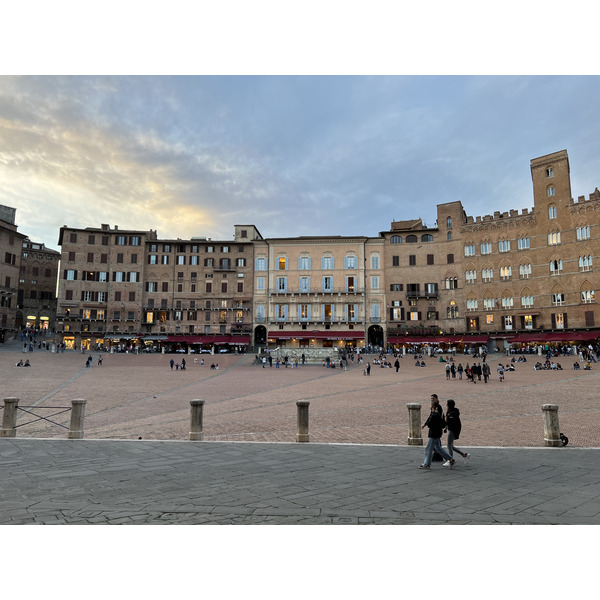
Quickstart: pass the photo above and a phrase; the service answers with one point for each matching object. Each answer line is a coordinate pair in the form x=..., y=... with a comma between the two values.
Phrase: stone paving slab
x=167, y=482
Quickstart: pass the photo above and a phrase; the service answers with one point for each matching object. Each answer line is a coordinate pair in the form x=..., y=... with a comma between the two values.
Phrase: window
x=554, y=238
x=487, y=274
x=304, y=263
x=526, y=301
x=558, y=299
x=71, y=257
x=411, y=239
x=260, y=264
x=281, y=284
x=194, y=260
x=507, y=302
x=450, y=259
x=489, y=303
x=412, y=260
x=559, y=320
x=260, y=283
x=585, y=263
x=117, y=296
x=281, y=311
x=588, y=296
x=505, y=272
x=508, y=322
x=225, y=249
x=396, y=287
x=210, y=249
x=282, y=263
x=551, y=191
x=209, y=262
x=240, y=286
x=449, y=236
x=350, y=262
x=489, y=319
x=452, y=311
x=525, y=271
x=374, y=261
x=165, y=286
x=551, y=211
x=328, y=284
x=224, y=287
x=556, y=267
x=523, y=243
x=164, y=259
x=73, y=238
x=583, y=233
x=471, y=304
x=152, y=286
x=70, y=274
x=451, y=283
x=549, y=172
x=449, y=222
x=134, y=259
x=131, y=296
x=153, y=259
x=471, y=276
x=430, y=259
x=395, y=261
x=304, y=285
x=486, y=248
x=375, y=312
x=470, y=250
x=374, y=283
x=224, y=263
x=396, y=239
x=351, y=284
x=180, y=260
x=504, y=246
x=427, y=237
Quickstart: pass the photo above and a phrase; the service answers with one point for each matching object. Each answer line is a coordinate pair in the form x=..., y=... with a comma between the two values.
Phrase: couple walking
x=437, y=424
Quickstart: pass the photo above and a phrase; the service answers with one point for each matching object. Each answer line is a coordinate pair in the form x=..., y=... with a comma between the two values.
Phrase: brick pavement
x=134, y=396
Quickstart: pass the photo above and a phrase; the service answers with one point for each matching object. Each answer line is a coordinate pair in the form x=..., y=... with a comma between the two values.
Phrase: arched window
x=396, y=239
x=411, y=239
x=449, y=236
x=449, y=222
x=427, y=237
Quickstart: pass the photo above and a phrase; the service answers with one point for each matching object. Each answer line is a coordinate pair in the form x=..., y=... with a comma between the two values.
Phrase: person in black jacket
x=436, y=424
x=453, y=427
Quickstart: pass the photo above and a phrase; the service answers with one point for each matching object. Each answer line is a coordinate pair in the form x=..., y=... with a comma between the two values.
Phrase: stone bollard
x=302, y=435
x=414, y=425
x=77, y=415
x=196, y=416
x=9, y=419
x=551, y=428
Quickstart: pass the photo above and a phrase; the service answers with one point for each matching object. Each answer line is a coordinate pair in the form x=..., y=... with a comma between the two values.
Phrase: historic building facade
x=36, y=298
x=520, y=276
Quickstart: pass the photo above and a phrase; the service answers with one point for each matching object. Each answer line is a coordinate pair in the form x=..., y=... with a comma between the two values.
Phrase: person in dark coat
x=397, y=365
x=436, y=424
x=453, y=427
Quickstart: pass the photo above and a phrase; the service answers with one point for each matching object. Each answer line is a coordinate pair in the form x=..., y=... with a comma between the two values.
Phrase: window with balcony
x=327, y=284
x=281, y=284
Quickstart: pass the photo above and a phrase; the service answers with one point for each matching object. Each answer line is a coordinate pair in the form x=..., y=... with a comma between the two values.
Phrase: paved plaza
x=357, y=467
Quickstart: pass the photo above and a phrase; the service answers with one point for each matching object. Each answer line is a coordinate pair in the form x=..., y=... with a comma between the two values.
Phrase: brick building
x=11, y=242
x=521, y=276
x=36, y=298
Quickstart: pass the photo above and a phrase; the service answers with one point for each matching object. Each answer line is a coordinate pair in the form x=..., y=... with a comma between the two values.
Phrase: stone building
x=518, y=276
x=11, y=242
x=36, y=298
x=128, y=289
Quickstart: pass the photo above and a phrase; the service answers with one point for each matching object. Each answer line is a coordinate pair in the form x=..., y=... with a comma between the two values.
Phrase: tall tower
x=551, y=177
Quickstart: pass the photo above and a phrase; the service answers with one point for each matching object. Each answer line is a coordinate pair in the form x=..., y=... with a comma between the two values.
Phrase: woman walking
x=453, y=427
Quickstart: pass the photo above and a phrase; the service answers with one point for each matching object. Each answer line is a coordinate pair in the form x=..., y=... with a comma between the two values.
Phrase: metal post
x=196, y=416
x=302, y=435
x=9, y=419
x=551, y=428
x=414, y=425
x=77, y=414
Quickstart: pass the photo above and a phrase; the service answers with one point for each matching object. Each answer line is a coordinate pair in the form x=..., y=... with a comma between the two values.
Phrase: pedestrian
x=447, y=370
x=453, y=370
x=99, y=361
x=183, y=364
x=303, y=358
x=397, y=365
x=368, y=368
x=453, y=427
x=500, y=370
x=277, y=363
x=486, y=372
x=264, y=362
x=460, y=370
x=436, y=424
x=270, y=361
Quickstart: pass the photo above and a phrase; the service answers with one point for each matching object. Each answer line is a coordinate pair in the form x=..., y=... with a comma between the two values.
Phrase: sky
x=294, y=155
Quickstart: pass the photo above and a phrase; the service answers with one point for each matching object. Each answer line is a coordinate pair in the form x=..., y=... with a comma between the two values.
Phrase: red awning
x=434, y=339
x=239, y=340
x=318, y=335
x=555, y=336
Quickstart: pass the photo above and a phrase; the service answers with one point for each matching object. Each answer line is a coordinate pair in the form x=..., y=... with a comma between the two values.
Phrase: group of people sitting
x=214, y=366
x=382, y=362
x=23, y=364
x=586, y=367
x=548, y=366
x=520, y=359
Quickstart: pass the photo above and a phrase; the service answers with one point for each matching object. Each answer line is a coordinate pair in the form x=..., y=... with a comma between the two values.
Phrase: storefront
x=459, y=343
x=207, y=344
x=316, y=339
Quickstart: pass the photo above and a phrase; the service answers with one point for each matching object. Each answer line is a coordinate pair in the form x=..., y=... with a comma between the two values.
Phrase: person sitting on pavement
x=27, y=363
x=20, y=363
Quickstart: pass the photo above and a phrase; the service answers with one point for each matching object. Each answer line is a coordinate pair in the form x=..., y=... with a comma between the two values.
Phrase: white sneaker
x=449, y=463
x=467, y=455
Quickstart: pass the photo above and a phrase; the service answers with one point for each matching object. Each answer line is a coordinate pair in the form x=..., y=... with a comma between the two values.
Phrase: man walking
x=436, y=424
x=453, y=426
x=397, y=365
